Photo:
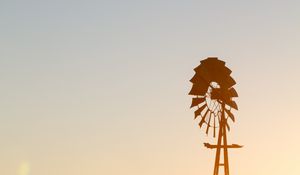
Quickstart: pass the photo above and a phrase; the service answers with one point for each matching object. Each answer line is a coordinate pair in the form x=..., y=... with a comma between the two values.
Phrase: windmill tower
x=213, y=96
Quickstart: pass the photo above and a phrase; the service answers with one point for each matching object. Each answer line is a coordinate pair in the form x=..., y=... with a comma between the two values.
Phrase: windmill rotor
x=212, y=86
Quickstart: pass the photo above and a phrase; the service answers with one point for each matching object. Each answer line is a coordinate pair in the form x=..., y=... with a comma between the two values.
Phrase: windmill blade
x=227, y=126
x=203, y=118
x=232, y=104
x=230, y=81
x=198, y=111
x=230, y=115
x=226, y=70
x=226, y=81
x=213, y=64
x=208, y=124
x=197, y=101
x=211, y=59
x=232, y=92
x=198, y=67
x=219, y=71
x=198, y=89
x=202, y=72
x=198, y=79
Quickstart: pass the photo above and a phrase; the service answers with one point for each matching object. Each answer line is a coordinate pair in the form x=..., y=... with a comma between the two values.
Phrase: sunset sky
x=101, y=87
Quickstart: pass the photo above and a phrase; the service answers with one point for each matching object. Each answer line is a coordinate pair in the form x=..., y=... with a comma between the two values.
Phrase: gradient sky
x=100, y=87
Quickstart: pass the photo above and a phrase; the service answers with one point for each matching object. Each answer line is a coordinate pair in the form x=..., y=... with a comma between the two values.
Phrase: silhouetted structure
x=213, y=92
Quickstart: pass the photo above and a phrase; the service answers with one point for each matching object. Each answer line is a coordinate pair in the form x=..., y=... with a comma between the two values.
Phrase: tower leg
x=217, y=160
x=226, y=162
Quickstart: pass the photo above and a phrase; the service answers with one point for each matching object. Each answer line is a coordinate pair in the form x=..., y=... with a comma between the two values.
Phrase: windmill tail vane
x=213, y=95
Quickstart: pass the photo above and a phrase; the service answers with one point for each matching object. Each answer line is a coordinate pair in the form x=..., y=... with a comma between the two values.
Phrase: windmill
x=213, y=96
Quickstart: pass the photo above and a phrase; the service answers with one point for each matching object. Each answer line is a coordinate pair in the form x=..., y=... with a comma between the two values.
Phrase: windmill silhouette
x=213, y=96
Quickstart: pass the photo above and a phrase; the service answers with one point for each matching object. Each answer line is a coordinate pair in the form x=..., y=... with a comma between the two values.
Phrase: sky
x=101, y=87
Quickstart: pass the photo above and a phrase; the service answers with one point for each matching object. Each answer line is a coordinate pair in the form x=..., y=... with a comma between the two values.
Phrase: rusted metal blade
x=232, y=92
x=227, y=126
x=211, y=59
x=208, y=124
x=226, y=70
x=203, y=72
x=203, y=118
x=198, y=111
x=230, y=115
x=230, y=81
x=198, y=89
x=232, y=104
x=197, y=101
